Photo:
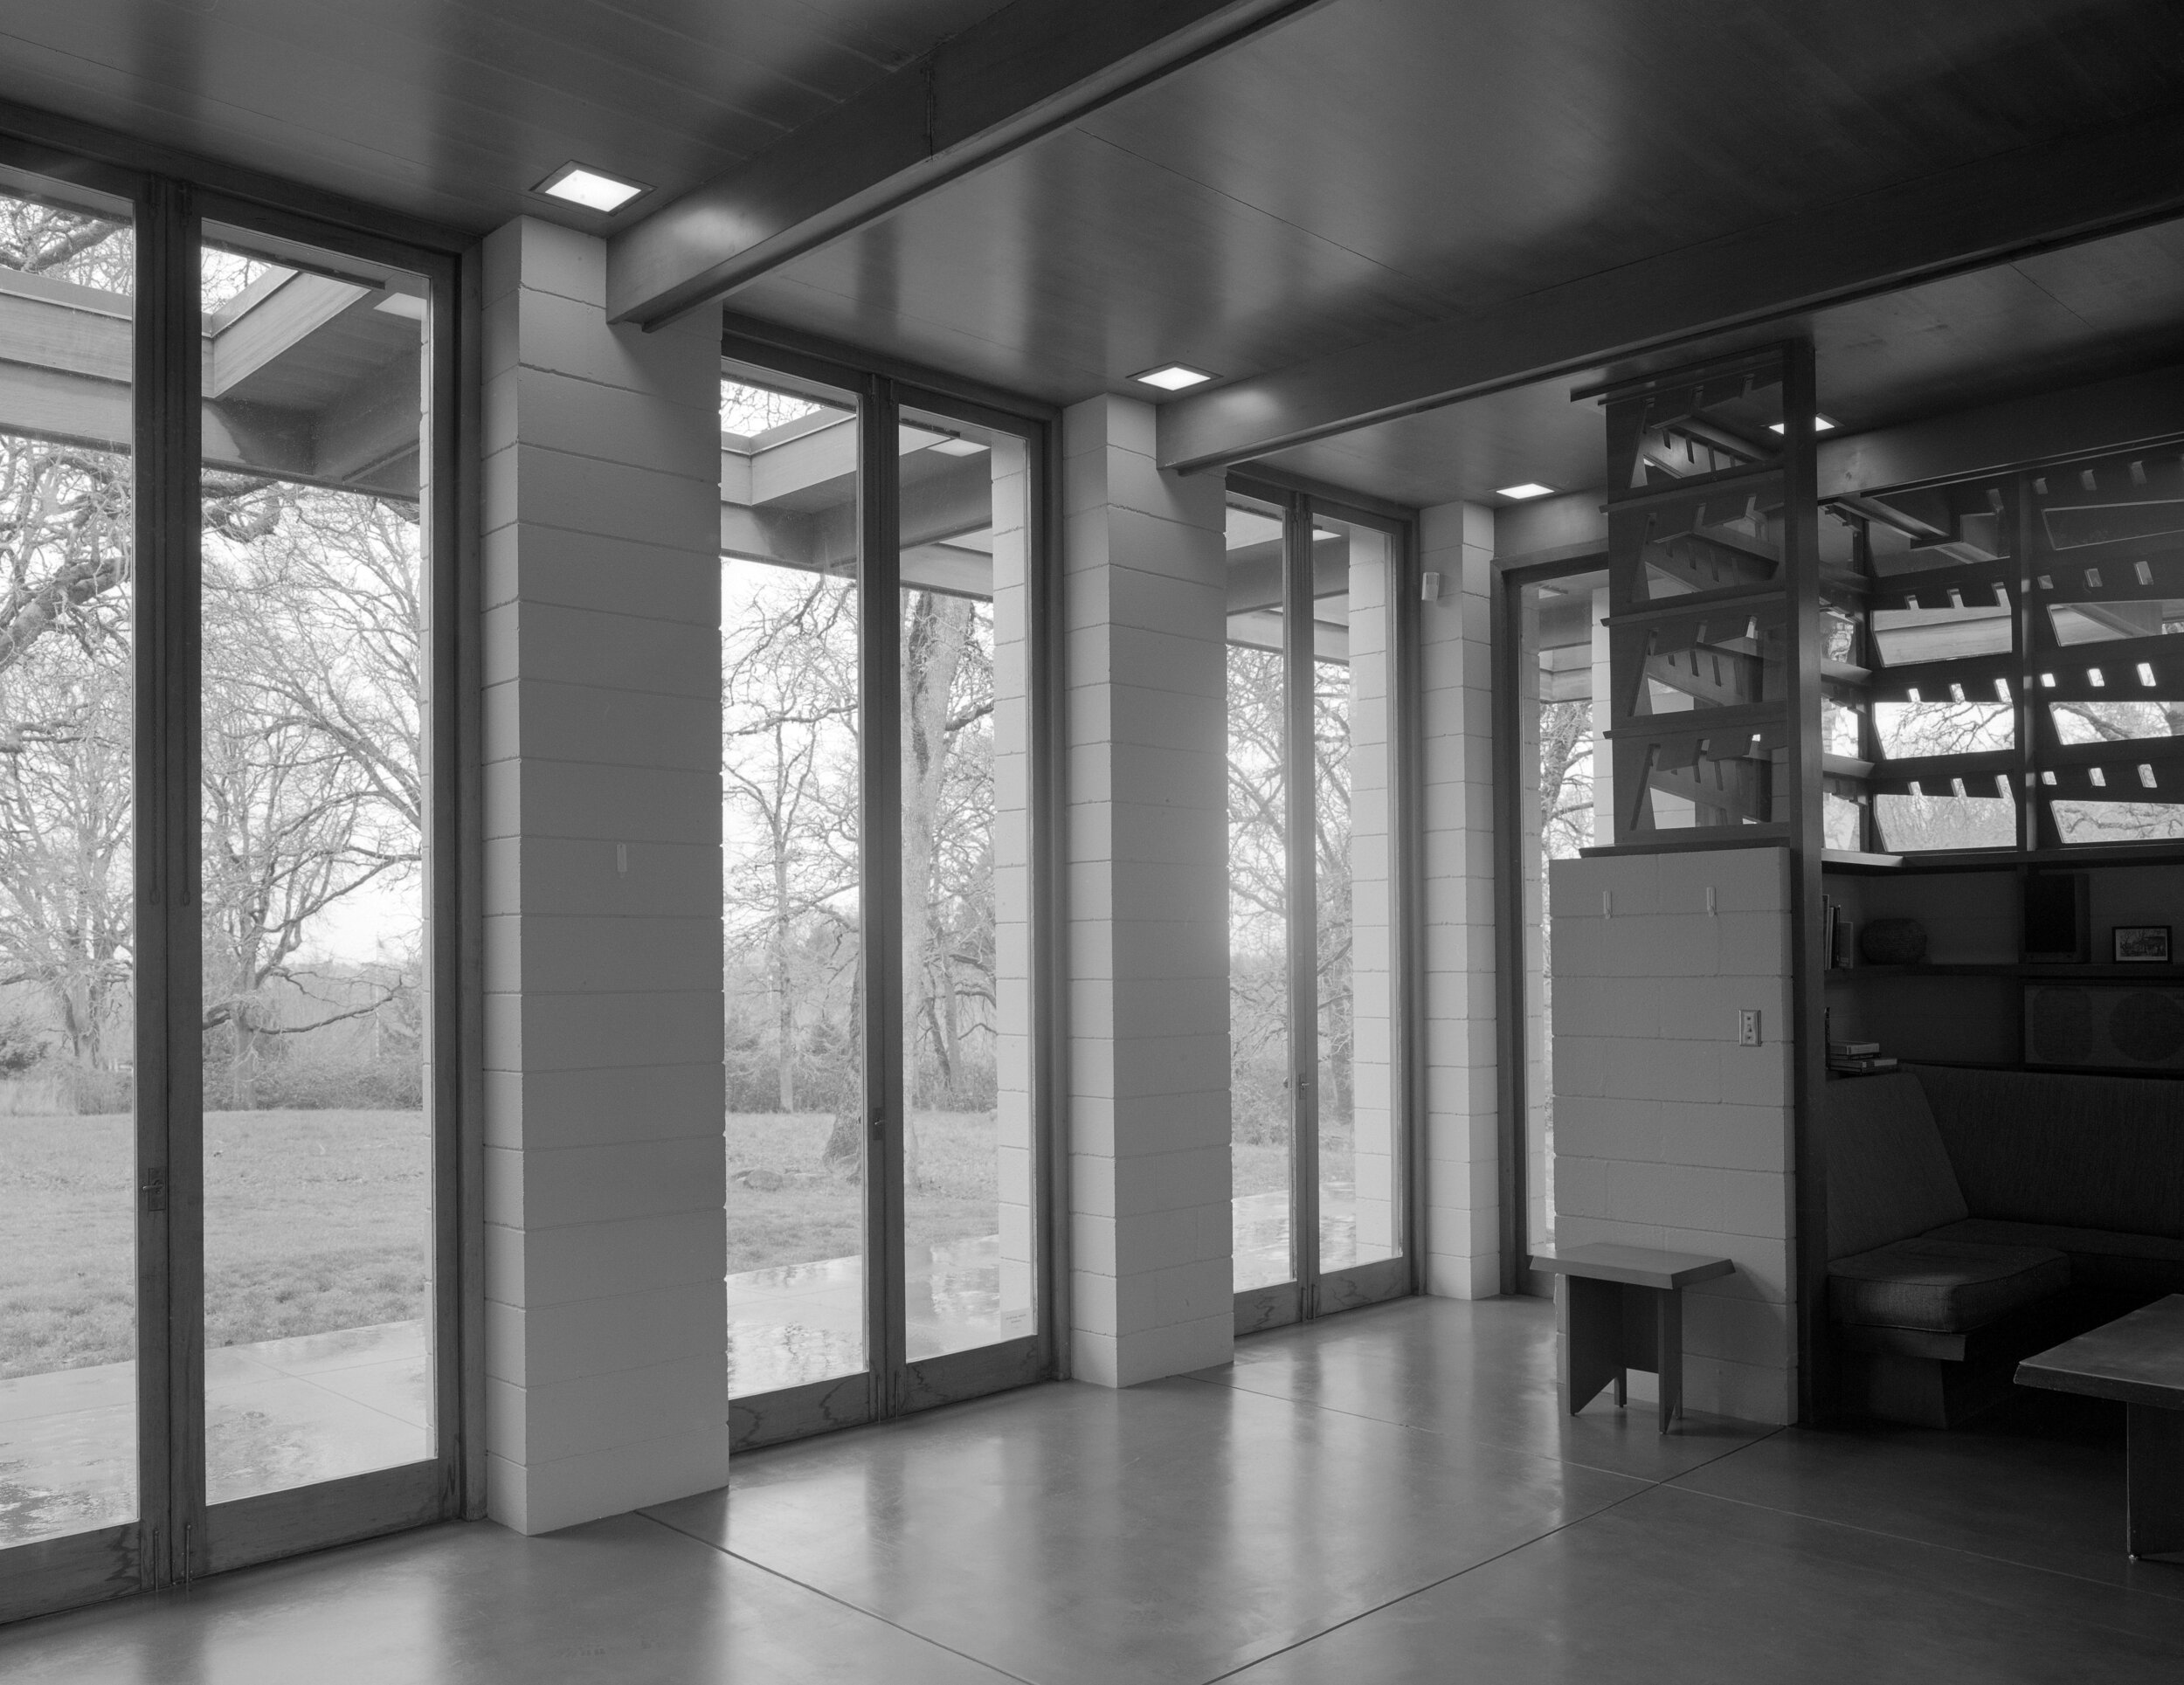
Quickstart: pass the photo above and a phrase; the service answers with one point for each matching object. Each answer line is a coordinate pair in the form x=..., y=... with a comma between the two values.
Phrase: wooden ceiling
x=2108, y=307
x=451, y=110
x=1369, y=166
x=1373, y=166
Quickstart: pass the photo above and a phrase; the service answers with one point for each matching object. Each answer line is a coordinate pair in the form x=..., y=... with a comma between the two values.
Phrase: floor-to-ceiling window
x=313, y=914
x=1317, y=1042
x=878, y=755
x=69, y=1311
x=227, y=1237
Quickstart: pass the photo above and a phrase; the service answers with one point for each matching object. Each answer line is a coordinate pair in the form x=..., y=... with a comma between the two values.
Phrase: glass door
x=81, y=1418
x=226, y=1220
x=968, y=1156
x=1318, y=1040
x=792, y=764
x=883, y=1214
x=322, y=1338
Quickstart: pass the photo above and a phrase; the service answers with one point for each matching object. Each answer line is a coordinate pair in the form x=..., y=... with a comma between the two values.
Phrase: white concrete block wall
x=606, y=1314
x=1147, y=904
x=1462, y=1103
x=1668, y=1133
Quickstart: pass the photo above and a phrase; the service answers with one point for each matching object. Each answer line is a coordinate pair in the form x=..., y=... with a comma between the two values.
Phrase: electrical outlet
x=1748, y=1026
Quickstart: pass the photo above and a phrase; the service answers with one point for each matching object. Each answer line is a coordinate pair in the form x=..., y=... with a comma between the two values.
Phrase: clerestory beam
x=1026, y=71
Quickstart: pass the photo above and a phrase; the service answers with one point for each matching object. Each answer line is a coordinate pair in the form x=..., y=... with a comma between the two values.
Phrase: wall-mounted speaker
x=2109, y=1026
x=2057, y=928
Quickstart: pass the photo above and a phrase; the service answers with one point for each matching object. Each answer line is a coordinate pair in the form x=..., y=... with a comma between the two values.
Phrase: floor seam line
x=1413, y=1427
x=1432, y=1586
x=1926, y=1544
x=839, y=1602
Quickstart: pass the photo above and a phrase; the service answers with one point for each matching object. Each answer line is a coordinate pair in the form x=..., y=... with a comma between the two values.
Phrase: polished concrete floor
x=1386, y=1496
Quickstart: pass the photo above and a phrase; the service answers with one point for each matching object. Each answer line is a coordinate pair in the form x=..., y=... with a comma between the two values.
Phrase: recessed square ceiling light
x=1172, y=376
x=958, y=447
x=402, y=304
x=592, y=189
x=1821, y=424
x=1530, y=489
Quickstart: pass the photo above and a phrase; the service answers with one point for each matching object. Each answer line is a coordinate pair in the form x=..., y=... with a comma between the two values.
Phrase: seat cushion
x=2099, y=1258
x=1942, y=1286
x=1889, y=1177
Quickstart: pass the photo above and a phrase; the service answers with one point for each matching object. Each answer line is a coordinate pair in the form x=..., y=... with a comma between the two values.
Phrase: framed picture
x=2142, y=944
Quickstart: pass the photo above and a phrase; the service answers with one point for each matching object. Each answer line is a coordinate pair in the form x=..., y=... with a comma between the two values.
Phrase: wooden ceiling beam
x=1028, y=69
x=1998, y=208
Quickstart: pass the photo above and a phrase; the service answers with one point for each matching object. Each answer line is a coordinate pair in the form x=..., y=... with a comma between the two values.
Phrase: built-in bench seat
x=1942, y=1286
x=1975, y=1216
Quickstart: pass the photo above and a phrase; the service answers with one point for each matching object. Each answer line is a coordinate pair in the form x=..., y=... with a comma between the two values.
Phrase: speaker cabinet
x=2058, y=927
x=2105, y=1026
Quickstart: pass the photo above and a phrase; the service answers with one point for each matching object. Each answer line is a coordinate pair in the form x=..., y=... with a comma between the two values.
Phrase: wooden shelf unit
x=1965, y=1004
x=2038, y=971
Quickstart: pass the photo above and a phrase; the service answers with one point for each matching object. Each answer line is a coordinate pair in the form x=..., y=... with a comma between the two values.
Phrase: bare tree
x=947, y=803
x=1258, y=895
x=791, y=786
x=312, y=778
x=1566, y=779
x=37, y=239
x=789, y=768
x=66, y=901
x=312, y=787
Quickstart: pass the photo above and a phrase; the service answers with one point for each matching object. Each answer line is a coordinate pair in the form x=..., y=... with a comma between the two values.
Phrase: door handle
x=155, y=1190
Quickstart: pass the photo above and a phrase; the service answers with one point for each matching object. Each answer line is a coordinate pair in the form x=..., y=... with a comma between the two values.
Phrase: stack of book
x=1857, y=1057
x=1839, y=935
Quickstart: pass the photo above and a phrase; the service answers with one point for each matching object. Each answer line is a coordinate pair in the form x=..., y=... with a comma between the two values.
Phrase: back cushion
x=2088, y=1152
x=1888, y=1176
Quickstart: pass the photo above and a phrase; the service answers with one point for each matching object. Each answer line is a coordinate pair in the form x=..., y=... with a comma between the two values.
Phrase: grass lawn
x=815, y=1216
x=1256, y=1167
x=313, y=1221
x=319, y=1221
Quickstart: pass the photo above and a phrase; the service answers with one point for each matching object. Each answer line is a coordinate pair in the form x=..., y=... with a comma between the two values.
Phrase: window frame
x=1313, y=1291
x=175, y=1537
x=892, y=1385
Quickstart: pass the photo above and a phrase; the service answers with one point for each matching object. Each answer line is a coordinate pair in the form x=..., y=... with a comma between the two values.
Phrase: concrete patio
x=280, y=1413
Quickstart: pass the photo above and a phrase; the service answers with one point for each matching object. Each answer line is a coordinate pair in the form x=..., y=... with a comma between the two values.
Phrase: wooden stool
x=1620, y=1310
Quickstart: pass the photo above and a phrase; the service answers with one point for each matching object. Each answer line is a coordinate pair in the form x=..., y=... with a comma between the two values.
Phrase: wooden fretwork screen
x=2026, y=646
x=1702, y=597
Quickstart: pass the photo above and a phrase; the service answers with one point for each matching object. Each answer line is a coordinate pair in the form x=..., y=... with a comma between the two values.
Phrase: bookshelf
x=1966, y=1003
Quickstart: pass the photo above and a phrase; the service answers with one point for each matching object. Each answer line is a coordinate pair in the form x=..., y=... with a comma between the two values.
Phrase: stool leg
x=2155, y=1476
x=1591, y=1355
x=1668, y=1350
